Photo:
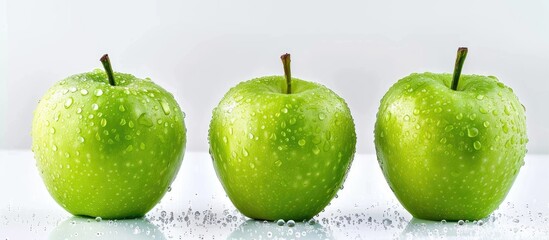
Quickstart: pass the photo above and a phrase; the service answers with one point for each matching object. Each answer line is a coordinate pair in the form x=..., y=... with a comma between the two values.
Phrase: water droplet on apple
x=145, y=120
x=461, y=222
x=72, y=89
x=459, y=116
x=505, y=128
x=316, y=150
x=472, y=116
x=280, y=222
x=301, y=142
x=482, y=110
x=250, y=136
x=443, y=221
x=443, y=140
x=291, y=223
x=278, y=163
x=477, y=145
x=406, y=118
x=480, y=97
x=103, y=122
x=98, y=219
x=54, y=148
x=130, y=124
x=321, y=116
x=68, y=102
x=292, y=121
x=84, y=92
x=252, y=165
x=506, y=110
x=472, y=132
x=95, y=106
x=449, y=128
x=438, y=109
x=98, y=92
x=225, y=139
x=121, y=108
x=165, y=107
x=81, y=139
x=284, y=110
x=91, y=116
x=52, y=130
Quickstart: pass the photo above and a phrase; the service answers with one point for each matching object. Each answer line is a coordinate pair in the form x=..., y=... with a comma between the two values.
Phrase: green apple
x=281, y=146
x=108, y=144
x=450, y=147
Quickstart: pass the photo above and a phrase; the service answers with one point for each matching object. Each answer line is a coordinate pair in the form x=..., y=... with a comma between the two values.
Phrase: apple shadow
x=427, y=229
x=88, y=228
x=255, y=229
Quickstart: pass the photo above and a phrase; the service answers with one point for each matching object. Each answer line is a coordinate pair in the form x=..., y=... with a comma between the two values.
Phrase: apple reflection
x=88, y=228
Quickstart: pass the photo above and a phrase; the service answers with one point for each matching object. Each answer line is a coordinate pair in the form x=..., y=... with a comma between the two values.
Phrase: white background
x=199, y=49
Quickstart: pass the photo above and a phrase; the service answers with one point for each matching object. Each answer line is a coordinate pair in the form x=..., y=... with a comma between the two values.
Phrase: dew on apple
x=98, y=219
x=406, y=118
x=72, y=89
x=280, y=222
x=95, y=106
x=121, y=108
x=103, y=122
x=145, y=120
x=459, y=116
x=68, y=102
x=301, y=142
x=477, y=145
x=461, y=222
x=472, y=132
x=98, y=92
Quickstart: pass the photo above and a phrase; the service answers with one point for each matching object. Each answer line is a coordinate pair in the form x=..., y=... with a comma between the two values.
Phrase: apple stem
x=108, y=68
x=460, y=59
x=286, y=62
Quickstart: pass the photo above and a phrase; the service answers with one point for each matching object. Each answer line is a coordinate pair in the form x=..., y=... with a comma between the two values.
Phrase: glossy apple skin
x=278, y=155
x=450, y=154
x=108, y=151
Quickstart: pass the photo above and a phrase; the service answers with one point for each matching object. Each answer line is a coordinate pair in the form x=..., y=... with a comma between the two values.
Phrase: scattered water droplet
x=278, y=163
x=121, y=108
x=145, y=120
x=103, y=122
x=95, y=106
x=321, y=116
x=301, y=142
x=245, y=152
x=98, y=92
x=291, y=223
x=280, y=222
x=477, y=145
x=81, y=139
x=472, y=132
x=165, y=107
x=486, y=124
x=461, y=222
x=480, y=97
x=316, y=150
x=459, y=116
x=406, y=118
x=68, y=102
x=98, y=219
x=84, y=92
x=284, y=110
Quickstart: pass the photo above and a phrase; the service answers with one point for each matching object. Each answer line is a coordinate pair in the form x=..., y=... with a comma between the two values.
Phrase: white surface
x=197, y=208
x=198, y=49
